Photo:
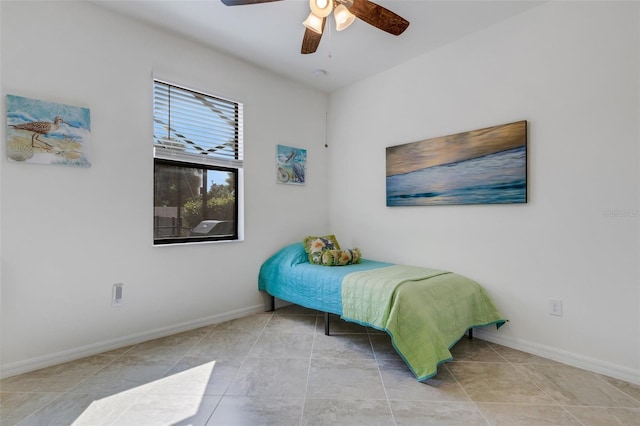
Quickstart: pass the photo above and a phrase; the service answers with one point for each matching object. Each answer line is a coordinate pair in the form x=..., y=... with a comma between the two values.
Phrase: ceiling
x=270, y=34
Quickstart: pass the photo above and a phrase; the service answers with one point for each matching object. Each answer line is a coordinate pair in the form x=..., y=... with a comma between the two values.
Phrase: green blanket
x=426, y=311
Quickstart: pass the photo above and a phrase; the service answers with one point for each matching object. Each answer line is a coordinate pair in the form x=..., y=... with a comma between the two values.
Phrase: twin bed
x=425, y=311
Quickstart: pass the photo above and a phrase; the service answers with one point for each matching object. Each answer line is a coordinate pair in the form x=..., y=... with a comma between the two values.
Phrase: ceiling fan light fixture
x=321, y=8
x=343, y=17
x=314, y=23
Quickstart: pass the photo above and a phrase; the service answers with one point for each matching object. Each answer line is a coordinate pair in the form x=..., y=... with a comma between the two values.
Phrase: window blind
x=196, y=127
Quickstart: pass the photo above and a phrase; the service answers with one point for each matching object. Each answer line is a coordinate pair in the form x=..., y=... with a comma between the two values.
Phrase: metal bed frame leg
x=326, y=315
x=470, y=333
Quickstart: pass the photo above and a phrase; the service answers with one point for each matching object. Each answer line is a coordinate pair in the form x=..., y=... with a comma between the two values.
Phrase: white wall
x=2, y=135
x=572, y=70
x=68, y=234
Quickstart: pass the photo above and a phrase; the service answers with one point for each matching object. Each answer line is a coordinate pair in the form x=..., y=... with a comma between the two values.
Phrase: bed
x=425, y=311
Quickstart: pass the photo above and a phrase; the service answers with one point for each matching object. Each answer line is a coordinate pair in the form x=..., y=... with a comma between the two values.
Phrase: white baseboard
x=36, y=363
x=575, y=360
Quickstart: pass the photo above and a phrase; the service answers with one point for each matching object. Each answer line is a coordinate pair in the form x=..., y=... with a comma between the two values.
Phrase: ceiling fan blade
x=311, y=39
x=243, y=2
x=379, y=17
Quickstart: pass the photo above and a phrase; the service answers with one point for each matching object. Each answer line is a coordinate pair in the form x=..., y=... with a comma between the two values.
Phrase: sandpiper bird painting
x=39, y=128
x=47, y=133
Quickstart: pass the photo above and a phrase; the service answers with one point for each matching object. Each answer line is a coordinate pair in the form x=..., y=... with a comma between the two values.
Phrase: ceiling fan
x=345, y=12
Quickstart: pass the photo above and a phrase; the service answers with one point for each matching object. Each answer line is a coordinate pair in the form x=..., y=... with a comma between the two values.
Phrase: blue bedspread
x=289, y=276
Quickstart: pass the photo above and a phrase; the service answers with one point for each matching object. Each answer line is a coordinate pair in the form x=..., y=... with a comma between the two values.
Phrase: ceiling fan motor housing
x=321, y=8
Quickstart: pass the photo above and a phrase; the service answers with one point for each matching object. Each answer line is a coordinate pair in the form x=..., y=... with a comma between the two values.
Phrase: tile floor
x=280, y=369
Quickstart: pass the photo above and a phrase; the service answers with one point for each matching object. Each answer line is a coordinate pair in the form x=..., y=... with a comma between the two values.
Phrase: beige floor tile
x=474, y=350
x=292, y=324
x=382, y=347
x=249, y=324
x=496, y=382
x=629, y=388
x=256, y=410
x=282, y=345
x=127, y=373
x=16, y=406
x=260, y=370
x=518, y=357
x=330, y=412
x=82, y=409
x=344, y=379
x=401, y=384
x=276, y=377
x=352, y=346
x=572, y=386
x=196, y=376
x=58, y=378
x=171, y=347
x=527, y=415
x=154, y=410
x=219, y=345
x=598, y=416
x=414, y=413
x=119, y=351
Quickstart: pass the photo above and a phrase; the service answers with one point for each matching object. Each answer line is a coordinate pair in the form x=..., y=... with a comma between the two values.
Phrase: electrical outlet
x=555, y=307
x=116, y=297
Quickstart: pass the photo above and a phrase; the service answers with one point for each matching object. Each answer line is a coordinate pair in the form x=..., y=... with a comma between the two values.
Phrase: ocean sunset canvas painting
x=486, y=166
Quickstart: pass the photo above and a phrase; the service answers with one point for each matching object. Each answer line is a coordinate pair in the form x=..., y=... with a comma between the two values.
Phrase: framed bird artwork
x=291, y=165
x=44, y=132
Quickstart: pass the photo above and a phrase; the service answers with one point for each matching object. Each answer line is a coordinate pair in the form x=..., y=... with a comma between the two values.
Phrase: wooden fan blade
x=379, y=17
x=243, y=2
x=311, y=39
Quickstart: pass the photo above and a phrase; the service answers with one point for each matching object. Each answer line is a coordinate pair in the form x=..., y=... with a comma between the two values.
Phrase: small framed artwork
x=485, y=166
x=43, y=132
x=291, y=165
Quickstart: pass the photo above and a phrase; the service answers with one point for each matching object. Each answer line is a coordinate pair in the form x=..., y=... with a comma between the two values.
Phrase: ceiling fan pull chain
x=330, y=55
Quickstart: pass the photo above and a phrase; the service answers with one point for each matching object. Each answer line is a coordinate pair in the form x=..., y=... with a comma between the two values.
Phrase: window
x=197, y=166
